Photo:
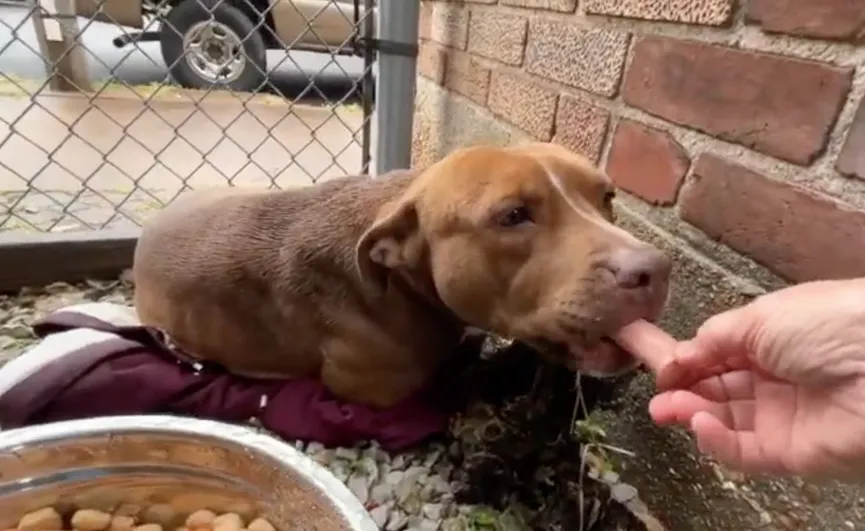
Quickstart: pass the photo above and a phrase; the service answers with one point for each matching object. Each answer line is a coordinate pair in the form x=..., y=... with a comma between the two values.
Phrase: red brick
x=425, y=21
x=448, y=24
x=465, y=75
x=523, y=103
x=647, y=162
x=851, y=160
x=709, y=12
x=822, y=19
x=589, y=59
x=498, y=36
x=581, y=126
x=431, y=61
x=563, y=6
x=778, y=105
x=455, y=70
x=788, y=229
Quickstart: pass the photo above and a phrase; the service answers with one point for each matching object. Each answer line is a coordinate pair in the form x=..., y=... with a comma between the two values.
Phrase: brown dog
x=371, y=283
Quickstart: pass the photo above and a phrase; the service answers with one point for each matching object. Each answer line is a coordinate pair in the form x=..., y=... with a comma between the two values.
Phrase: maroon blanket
x=139, y=373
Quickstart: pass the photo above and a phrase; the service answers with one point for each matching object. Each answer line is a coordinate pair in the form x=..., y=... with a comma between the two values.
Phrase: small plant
x=593, y=436
x=482, y=519
x=597, y=457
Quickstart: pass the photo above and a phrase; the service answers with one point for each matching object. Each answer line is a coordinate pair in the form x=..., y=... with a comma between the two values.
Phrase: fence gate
x=262, y=93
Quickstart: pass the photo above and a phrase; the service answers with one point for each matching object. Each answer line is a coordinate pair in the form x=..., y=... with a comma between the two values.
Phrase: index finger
x=657, y=350
x=648, y=343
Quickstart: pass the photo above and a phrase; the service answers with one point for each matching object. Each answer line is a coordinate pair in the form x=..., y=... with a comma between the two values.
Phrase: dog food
x=131, y=518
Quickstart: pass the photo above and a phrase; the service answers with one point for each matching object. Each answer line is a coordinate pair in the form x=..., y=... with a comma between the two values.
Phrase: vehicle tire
x=197, y=36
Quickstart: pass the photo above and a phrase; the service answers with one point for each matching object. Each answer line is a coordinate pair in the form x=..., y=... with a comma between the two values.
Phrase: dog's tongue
x=649, y=344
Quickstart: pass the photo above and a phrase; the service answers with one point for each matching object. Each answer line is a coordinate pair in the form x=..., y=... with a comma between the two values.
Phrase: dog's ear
x=393, y=241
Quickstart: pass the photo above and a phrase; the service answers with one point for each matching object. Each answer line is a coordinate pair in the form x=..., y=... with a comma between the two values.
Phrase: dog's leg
x=356, y=377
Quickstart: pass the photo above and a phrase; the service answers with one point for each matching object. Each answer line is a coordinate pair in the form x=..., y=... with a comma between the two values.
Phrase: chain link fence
x=110, y=109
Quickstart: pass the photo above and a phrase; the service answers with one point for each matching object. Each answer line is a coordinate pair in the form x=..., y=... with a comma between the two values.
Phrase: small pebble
x=349, y=454
x=433, y=457
x=454, y=524
x=413, y=479
x=411, y=504
x=381, y=493
x=368, y=467
x=341, y=468
x=395, y=477
x=417, y=473
x=397, y=521
x=623, y=493
x=399, y=462
x=314, y=448
x=18, y=332
x=149, y=527
x=433, y=511
x=380, y=514
x=610, y=477
x=358, y=484
x=787, y=522
x=418, y=523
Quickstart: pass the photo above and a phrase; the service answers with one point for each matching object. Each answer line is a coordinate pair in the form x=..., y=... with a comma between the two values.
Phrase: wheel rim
x=214, y=52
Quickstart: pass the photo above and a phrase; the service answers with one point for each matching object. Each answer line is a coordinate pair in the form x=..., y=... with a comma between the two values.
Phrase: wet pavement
x=68, y=162
x=289, y=72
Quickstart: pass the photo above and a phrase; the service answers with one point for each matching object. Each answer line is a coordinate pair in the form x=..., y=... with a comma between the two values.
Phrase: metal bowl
x=171, y=466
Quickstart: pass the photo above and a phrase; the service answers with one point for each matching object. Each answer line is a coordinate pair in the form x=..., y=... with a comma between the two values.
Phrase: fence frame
x=38, y=259
x=56, y=26
x=396, y=82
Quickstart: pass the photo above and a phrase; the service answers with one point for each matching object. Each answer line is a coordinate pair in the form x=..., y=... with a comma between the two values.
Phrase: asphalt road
x=142, y=63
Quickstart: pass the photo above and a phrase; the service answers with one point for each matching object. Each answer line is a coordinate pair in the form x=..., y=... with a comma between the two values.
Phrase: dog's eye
x=515, y=216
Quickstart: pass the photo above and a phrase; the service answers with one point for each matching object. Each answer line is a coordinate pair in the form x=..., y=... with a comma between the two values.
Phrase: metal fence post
x=398, y=22
x=57, y=32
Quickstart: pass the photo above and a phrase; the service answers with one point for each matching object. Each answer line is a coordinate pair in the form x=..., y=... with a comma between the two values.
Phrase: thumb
x=722, y=339
x=720, y=344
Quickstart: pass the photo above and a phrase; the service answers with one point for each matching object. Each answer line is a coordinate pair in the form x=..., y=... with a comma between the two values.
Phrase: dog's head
x=520, y=241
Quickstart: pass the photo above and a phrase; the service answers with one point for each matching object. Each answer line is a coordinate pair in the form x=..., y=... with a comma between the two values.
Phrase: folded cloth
x=96, y=359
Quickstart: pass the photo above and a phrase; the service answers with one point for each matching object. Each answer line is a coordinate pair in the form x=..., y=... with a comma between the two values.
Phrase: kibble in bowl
x=163, y=473
x=50, y=519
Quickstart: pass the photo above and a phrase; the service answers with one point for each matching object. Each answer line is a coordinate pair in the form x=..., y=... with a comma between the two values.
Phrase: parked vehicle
x=224, y=42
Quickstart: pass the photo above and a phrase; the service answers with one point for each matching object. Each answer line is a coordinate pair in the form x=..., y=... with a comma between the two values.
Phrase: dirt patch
x=525, y=442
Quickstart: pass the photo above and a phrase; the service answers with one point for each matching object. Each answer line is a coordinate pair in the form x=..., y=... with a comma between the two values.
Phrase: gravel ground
x=454, y=484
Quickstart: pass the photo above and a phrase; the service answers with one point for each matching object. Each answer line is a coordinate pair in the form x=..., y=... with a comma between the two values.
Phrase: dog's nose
x=640, y=267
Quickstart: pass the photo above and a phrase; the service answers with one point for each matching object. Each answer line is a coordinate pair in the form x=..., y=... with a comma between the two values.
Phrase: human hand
x=776, y=386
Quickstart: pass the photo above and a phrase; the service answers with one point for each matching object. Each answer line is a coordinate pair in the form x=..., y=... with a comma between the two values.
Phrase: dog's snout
x=639, y=268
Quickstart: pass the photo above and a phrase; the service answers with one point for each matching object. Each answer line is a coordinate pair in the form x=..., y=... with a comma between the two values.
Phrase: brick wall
x=736, y=132
x=742, y=120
